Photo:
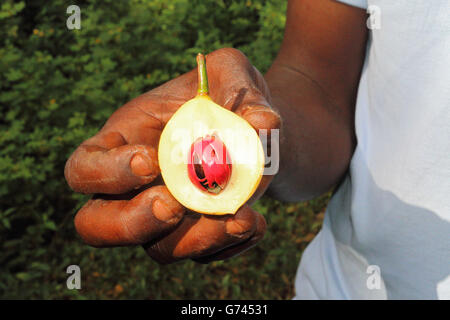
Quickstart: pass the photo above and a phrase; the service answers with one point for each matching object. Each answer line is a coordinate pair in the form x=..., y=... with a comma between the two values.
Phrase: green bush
x=57, y=88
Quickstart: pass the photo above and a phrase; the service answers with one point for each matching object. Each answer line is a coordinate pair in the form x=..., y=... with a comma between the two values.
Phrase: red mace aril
x=209, y=164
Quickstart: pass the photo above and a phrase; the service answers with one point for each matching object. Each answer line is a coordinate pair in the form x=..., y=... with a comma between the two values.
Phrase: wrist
x=315, y=139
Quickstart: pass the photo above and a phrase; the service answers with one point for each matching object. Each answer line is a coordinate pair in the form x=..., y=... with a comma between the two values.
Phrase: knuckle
x=76, y=168
x=72, y=170
x=110, y=140
x=231, y=54
x=83, y=225
x=229, y=61
x=159, y=253
x=68, y=173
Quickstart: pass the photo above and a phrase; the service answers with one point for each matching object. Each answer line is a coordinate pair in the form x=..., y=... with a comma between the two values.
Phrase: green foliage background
x=57, y=88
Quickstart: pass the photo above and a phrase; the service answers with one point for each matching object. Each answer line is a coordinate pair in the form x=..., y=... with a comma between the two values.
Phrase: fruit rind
x=199, y=117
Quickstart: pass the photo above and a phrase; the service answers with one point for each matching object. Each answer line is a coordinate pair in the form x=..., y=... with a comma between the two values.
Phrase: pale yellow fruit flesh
x=197, y=118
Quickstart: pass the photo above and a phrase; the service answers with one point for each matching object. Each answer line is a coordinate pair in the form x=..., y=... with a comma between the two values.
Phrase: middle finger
x=200, y=235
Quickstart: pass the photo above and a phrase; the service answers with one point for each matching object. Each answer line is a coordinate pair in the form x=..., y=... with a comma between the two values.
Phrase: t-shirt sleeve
x=357, y=3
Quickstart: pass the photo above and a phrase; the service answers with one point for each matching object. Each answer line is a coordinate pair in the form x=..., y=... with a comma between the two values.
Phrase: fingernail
x=140, y=165
x=261, y=117
x=162, y=212
x=237, y=228
x=254, y=108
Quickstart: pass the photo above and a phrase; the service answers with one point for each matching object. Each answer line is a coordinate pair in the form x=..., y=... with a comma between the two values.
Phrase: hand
x=119, y=166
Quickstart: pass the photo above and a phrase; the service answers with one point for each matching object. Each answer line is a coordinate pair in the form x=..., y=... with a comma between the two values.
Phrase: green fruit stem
x=202, y=76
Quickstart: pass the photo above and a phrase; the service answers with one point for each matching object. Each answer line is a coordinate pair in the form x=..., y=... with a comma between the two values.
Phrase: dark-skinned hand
x=119, y=166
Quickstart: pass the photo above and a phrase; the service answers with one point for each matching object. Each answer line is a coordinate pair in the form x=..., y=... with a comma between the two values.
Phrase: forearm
x=313, y=83
x=317, y=137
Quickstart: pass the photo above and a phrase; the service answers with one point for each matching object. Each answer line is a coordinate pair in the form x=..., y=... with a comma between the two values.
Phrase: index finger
x=120, y=158
x=110, y=222
x=238, y=86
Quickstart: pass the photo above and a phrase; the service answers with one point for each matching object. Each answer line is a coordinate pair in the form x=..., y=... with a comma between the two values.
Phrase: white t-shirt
x=386, y=232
